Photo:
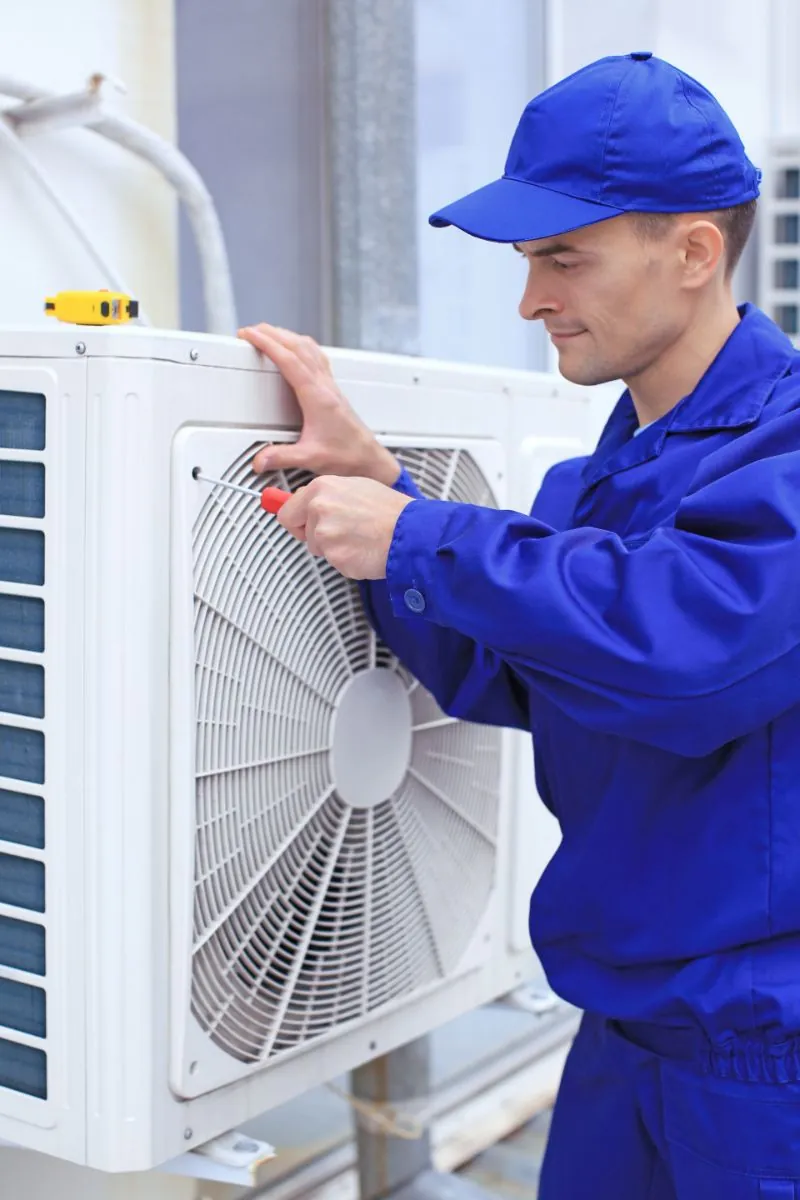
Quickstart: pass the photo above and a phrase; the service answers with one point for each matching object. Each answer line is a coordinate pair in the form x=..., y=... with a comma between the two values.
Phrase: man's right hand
x=334, y=440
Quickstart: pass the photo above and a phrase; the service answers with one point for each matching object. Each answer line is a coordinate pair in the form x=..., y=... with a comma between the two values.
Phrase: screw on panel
x=194, y=355
x=188, y=1134
x=80, y=348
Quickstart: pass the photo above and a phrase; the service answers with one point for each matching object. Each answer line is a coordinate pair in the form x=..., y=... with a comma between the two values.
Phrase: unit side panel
x=42, y=692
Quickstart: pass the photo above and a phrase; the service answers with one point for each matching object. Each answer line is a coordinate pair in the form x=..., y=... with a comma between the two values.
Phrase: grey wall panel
x=373, y=174
x=250, y=99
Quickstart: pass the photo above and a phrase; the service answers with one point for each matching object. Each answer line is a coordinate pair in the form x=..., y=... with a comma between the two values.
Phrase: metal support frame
x=400, y=1168
x=385, y=1162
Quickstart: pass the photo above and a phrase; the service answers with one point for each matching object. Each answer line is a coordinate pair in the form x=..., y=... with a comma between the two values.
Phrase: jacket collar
x=730, y=395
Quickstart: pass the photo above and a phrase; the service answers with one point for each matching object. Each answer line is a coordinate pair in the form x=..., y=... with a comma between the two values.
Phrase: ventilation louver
x=345, y=827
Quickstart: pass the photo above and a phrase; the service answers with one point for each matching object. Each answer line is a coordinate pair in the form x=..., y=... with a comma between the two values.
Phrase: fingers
x=331, y=433
x=293, y=368
x=272, y=338
x=263, y=460
x=303, y=346
x=300, y=516
x=293, y=516
x=280, y=456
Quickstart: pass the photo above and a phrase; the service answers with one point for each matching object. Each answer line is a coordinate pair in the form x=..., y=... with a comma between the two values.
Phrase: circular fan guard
x=310, y=912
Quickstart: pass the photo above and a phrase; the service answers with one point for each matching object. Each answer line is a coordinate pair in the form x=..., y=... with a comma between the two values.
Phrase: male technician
x=643, y=623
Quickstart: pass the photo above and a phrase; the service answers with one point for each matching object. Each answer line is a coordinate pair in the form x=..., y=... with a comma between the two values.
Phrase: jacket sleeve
x=468, y=680
x=684, y=639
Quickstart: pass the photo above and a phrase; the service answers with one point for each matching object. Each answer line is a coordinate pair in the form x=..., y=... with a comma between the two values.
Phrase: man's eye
x=562, y=266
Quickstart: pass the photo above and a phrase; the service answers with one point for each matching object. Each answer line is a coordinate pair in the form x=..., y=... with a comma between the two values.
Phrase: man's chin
x=585, y=374
x=575, y=373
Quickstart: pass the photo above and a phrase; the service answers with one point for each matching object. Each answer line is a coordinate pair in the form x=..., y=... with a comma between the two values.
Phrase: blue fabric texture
x=642, y=136
x=632, y=1124
x=643, y=622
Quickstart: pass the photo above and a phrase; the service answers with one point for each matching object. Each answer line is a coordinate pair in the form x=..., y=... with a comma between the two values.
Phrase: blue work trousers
x=644, y=1115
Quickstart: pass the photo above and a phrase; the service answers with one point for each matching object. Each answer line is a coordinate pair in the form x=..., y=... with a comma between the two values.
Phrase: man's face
x=610, y=300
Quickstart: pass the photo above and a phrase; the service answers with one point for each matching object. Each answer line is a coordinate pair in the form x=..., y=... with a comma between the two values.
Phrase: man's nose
x=538, y=299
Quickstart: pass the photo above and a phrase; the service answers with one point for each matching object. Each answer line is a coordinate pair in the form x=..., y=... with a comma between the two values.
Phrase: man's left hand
x=349, y=521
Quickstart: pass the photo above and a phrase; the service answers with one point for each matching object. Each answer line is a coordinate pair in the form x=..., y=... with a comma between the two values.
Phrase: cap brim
x=510, y=210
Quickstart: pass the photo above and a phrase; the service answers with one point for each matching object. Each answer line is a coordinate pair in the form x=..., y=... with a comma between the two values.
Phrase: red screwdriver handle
x=273, y=499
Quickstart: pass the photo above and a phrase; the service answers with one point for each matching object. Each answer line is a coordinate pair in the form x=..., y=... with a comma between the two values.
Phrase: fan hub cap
x=371, y=738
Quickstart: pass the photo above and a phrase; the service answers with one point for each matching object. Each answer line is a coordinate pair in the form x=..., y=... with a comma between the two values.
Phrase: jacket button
x=414, y=600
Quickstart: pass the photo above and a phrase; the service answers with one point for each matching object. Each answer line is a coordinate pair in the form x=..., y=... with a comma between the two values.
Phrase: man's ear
x=702, y=249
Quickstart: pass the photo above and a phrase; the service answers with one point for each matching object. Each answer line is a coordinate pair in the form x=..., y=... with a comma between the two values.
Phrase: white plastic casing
x=124, y=417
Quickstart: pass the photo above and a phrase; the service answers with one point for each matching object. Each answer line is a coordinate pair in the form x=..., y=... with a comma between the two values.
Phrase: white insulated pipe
x=42, y=107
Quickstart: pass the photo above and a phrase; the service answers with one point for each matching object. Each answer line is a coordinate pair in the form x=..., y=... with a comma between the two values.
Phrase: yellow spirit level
x=92, y=308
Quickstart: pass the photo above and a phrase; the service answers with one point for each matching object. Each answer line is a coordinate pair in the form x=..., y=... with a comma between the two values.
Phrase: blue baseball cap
x=628, y=133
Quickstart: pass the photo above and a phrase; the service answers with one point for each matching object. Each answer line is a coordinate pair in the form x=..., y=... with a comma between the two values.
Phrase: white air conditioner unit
x=241, y=849
x=779, y=235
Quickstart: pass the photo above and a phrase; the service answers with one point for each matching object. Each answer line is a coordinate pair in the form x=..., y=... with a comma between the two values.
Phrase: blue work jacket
x=643, y=622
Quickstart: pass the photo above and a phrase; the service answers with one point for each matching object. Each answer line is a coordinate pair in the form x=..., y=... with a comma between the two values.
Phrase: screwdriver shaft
x=235, y=487
x=271, y=499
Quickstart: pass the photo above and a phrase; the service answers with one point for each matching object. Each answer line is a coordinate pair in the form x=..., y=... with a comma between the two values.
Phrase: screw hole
x=196, y=472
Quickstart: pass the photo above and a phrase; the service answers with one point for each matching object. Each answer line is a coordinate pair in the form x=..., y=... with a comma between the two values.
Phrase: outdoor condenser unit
x=242, y=850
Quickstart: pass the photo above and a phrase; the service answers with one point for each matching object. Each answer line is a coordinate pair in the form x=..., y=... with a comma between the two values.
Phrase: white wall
x=475, y=76
x=725, y=44
x=784, y=75
x=728, y=45
x=57, y=45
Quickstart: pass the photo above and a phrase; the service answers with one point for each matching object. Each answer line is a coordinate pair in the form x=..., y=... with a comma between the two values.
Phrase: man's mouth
x=565, y=335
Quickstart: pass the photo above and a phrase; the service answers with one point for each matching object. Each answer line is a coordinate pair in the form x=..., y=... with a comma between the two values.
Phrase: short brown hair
x=735, y=224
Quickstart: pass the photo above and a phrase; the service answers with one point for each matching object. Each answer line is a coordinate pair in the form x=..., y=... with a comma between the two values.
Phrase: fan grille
x=309, y=912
